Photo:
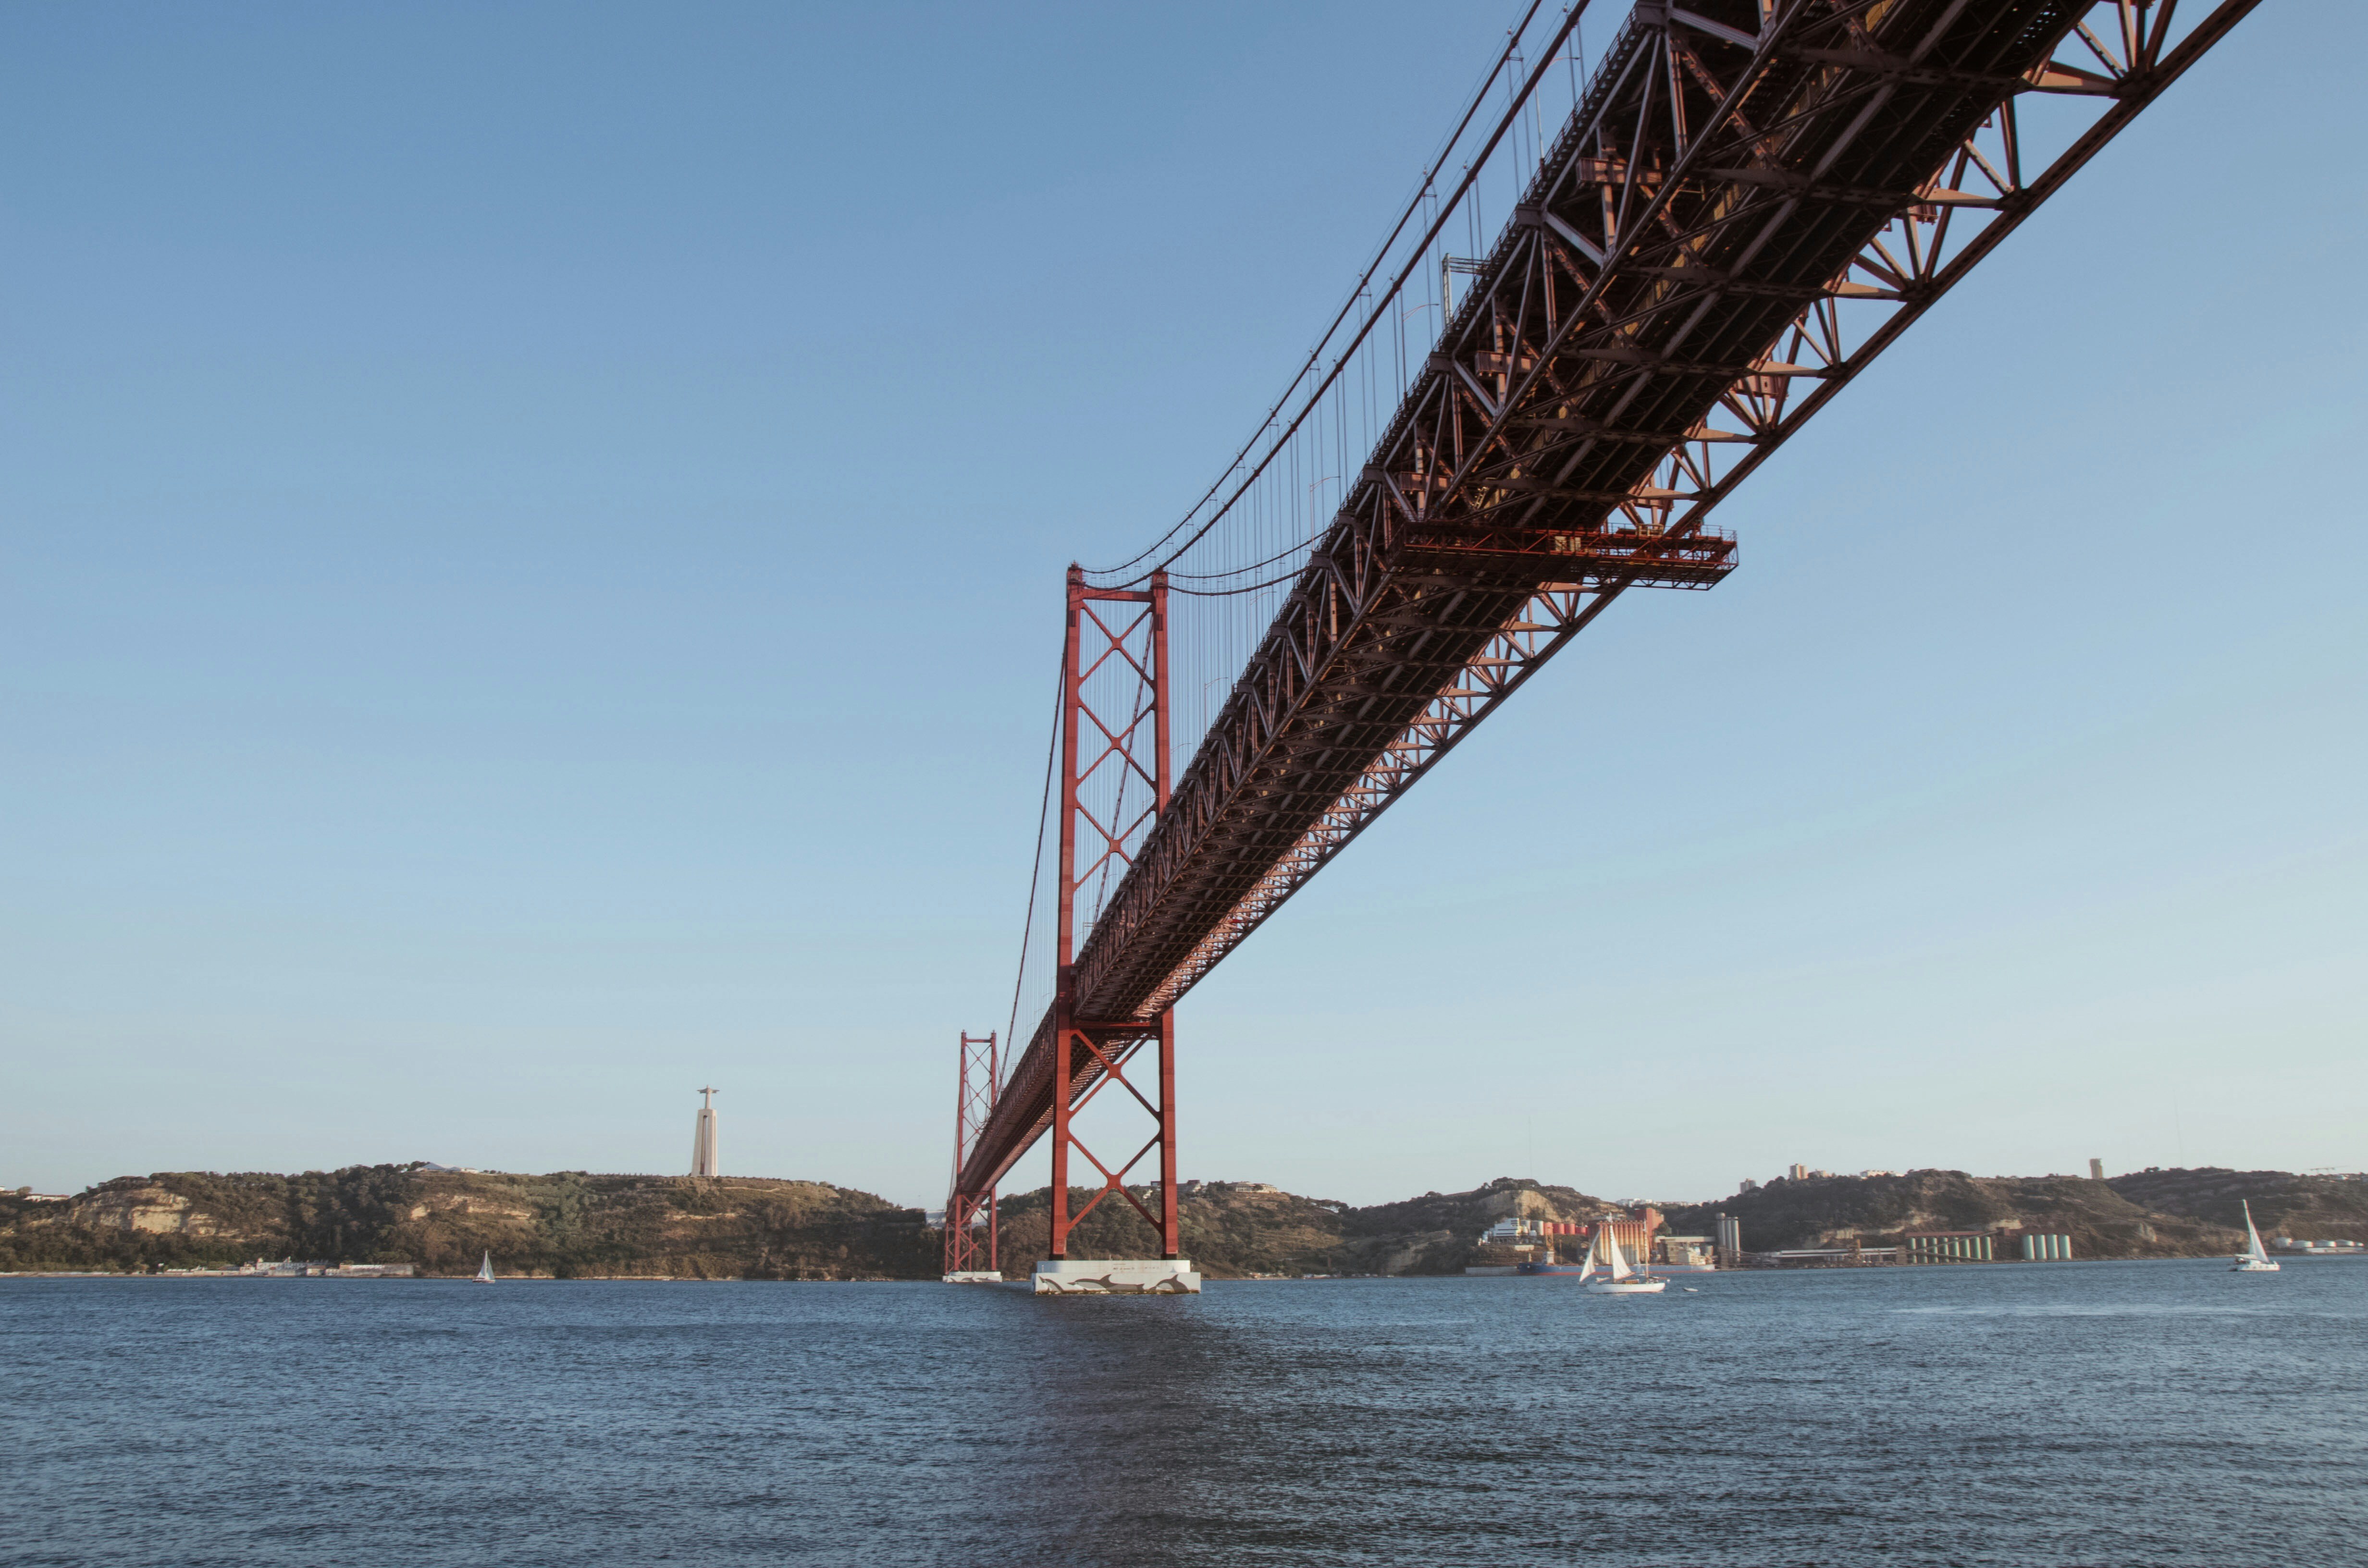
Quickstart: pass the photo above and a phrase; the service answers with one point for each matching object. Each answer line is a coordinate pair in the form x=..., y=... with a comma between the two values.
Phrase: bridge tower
x=967, y=1213
x=1115, y=776
x=1117, y=773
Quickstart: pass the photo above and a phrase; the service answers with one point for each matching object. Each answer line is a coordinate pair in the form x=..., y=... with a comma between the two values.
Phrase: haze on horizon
x=532, y=559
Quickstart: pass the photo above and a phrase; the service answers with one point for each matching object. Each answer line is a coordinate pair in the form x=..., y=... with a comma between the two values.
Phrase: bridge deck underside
x=1715, y=184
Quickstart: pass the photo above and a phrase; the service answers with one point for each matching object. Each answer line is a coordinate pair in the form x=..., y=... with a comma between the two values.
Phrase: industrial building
x=1638, y=1232
x=1931, y=1246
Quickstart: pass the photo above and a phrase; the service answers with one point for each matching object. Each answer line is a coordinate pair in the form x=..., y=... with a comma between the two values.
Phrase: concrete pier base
x=1117, y=1277
x=975, y=1276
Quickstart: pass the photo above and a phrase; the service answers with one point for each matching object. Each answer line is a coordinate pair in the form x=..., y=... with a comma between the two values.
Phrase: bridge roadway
x=1738, y=173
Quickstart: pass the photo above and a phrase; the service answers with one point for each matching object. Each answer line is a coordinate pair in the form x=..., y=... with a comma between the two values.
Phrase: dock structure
x=1852, y=1256
x=1948, y=1247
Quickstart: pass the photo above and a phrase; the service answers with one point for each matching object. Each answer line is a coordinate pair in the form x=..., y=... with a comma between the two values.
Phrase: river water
x=2086, y=1413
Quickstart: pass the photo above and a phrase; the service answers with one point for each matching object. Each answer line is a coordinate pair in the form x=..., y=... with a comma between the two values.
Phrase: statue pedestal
x=1116, y=1277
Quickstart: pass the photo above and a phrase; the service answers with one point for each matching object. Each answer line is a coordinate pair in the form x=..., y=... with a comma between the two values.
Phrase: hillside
x=567, y=1223
x=1232, y=1229
x=573, y=1224
x=1830, y=1210
x=2320, y=1207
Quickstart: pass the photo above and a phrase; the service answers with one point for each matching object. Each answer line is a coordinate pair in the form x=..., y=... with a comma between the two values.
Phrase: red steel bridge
x=1746, y=202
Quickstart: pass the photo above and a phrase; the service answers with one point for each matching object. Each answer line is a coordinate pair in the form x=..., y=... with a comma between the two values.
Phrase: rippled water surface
x=2142, y=1412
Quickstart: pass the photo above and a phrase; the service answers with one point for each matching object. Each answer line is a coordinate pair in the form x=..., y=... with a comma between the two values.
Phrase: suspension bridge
x=1703, y=228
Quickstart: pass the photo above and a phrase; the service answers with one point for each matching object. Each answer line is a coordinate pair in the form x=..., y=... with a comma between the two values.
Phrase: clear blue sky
x=533, y=544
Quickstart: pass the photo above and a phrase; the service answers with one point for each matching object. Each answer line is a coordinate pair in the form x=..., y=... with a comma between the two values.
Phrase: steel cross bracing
x=1753, y=199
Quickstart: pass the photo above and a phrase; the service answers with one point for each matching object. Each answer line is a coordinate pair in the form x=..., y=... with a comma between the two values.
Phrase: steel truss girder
x=1753, y=200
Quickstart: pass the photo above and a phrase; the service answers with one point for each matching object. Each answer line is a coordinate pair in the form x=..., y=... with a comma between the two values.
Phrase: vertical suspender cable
x=1036, y=871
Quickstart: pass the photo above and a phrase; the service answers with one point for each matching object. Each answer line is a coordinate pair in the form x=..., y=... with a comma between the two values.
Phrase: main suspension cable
x=1315, y=355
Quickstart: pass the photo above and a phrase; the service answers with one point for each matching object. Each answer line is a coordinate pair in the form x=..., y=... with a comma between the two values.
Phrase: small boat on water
x=2254, y=1259
x=485, y=1275
x=1618, y=1279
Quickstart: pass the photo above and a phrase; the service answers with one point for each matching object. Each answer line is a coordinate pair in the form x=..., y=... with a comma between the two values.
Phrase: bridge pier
x=1116, y=1277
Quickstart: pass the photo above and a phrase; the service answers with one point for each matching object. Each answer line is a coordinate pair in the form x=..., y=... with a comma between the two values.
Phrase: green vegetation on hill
x=187, y=1219
x=1232, y=1229
x=2312, y=1208
x=567, y=1223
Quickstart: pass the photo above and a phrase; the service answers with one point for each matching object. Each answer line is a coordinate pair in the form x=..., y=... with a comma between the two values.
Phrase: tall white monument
x=702, y=1137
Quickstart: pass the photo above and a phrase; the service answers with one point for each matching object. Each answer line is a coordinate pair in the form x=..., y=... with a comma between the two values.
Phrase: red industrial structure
x=1748, y=202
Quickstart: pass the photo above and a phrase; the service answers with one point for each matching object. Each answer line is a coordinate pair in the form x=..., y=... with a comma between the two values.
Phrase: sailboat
x=485, y=1275
x=2253, y=1259
x=1618, y=1279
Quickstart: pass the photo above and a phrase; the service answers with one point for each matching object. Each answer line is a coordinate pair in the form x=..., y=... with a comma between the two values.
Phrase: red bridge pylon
x=1116, y=775
x=969, y=1213
x=1115, y=778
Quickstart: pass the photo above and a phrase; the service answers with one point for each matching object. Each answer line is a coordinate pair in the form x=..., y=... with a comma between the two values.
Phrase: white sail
x=2253, y=1247
x=485, y=1270
x=1620, y=1270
